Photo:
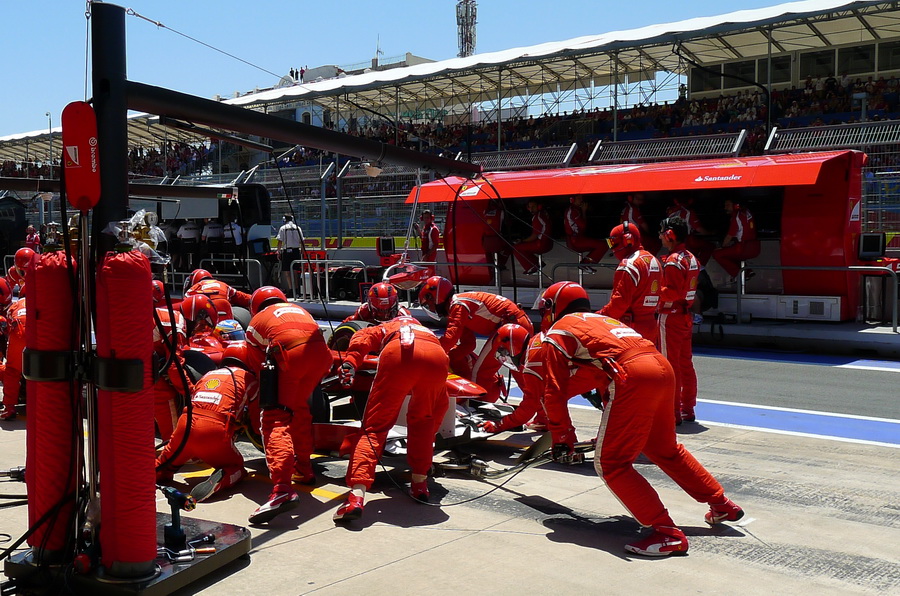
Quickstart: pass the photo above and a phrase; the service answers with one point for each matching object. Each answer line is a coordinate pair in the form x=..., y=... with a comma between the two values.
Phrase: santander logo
x=729, y=178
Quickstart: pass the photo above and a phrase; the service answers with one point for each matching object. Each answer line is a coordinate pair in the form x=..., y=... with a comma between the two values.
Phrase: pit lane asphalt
x=822, y=517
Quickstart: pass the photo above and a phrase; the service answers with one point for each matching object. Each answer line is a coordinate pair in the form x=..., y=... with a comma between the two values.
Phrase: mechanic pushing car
x=637, y=418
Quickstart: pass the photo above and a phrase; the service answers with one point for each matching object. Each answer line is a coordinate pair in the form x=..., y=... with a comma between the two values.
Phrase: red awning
x=738, y=172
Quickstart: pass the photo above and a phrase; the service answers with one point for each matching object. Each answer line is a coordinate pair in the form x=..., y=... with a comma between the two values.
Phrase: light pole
x=50, y=150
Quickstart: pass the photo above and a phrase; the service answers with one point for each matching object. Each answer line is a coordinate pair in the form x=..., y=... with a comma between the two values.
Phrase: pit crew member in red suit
x=219, y=400
x=517, y=350
x=382, y=304
x=173, y=386
x=12, y=375
x=496, y=247
x=636, y=283
x=740, y=242
x=430, y=236
x=632, y=213
x=576, y=232
x=538, y=242
x=411, y=361
x=700, y=247
x=289, y=336
x=468, y=314
x=637, y=417
x=201, y=316
x=681, y=270
x=223, y=296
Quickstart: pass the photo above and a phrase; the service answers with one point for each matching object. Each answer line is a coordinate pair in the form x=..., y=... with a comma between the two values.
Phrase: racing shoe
x=217, y=481
x=419, y=491
x=304, y=479
x=8, y=414
x=278, y=503
x=664, y=541
x=688, y=415
x=351, y=509
x=723, y=512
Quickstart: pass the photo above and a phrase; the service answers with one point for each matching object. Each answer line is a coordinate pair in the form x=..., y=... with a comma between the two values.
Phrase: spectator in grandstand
x=633, y=214
x=740, y=242
x=32, y=239
x=538, y=242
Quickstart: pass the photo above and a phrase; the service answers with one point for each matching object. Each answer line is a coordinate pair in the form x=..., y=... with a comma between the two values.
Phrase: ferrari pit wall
x=806, y=209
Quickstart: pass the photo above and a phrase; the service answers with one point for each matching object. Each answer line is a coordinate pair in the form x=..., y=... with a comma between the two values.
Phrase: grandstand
x=797, y=65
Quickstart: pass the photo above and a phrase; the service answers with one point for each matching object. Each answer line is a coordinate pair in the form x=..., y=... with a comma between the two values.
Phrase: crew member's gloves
x=564, y=448
x=347, y=373
x=491, y=426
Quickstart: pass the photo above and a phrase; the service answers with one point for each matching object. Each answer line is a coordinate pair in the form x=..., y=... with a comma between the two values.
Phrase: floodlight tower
x=465, y=21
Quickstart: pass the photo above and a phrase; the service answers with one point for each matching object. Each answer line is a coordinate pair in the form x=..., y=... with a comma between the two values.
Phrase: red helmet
x=264, y=295
x=196, y=276
x=384, y=302
x=235, y=354
x=23, y=258
x=5, y=292
x=159, y=291
x=435, y=296
x=560, y=299
x=199, y=308
x=624, y=239
x=15, y=276
x=510, y=345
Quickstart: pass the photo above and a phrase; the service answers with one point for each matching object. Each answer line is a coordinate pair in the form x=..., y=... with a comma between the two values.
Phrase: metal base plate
x=231, y=542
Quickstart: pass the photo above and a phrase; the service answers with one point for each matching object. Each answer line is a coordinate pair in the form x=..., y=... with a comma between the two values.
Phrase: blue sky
x=44, y=41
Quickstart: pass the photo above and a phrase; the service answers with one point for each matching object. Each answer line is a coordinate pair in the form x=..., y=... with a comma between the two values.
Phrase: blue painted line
x=810, y=423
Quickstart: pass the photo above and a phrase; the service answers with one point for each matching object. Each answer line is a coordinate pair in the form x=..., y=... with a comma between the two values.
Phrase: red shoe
x=664, y=541
x=278, y=503
x=688, y=416
x=8, y=414
x=305, y=479
x=350, y=510
x=724, y=512
x=419, y=491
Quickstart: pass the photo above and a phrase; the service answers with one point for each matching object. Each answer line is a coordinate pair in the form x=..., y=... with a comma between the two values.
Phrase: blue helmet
x=228, y=330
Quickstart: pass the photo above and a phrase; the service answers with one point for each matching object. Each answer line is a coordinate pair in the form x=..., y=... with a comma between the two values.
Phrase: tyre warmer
x=124, y=330
x=51, y=437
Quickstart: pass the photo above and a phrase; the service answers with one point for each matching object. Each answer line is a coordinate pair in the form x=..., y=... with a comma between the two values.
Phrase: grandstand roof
x=554, y=66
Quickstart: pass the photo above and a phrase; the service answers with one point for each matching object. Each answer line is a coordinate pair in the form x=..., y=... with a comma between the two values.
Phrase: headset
x=666, y=232
x=627, y=237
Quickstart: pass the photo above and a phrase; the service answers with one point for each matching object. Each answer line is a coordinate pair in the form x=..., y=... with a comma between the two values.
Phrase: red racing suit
x=219, y=400
x=289, y=336
x=365, y=315
x=635, y=293
x=742, y=230
x=171, y=388
x=481, y=313
x=222, y=295
x=12, y=376
x=527, y=252
x=637, y=418
x=431, y=238
x=576, y=238
x=680, y=271
x=411, y=362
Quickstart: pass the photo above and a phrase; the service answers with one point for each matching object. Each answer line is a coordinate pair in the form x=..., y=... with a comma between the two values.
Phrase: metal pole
x=324, y=180
x=50, y=150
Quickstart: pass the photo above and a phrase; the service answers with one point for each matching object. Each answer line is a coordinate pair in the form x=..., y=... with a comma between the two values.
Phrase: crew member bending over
x=218, y=403
x=201, y=281
x=382, y=304
x=637, y=417
x=468, y=314
x=287, y=335
x=411, y=362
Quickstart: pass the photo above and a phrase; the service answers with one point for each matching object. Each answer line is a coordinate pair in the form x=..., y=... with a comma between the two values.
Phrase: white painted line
x=869, y=367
